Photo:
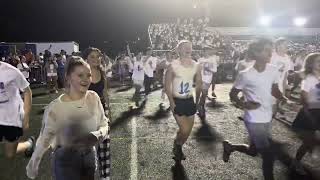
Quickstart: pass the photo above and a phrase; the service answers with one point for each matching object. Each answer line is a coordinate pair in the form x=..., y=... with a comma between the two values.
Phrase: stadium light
x=265, y=20
x=300, y=21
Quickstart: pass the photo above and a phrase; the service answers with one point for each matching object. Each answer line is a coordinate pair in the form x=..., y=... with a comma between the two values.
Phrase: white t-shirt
x=130, y=65
x=243, y=64
x=312, y=86
x=208, y=64
x=284, y=64
x=11, y=105
x=109, y=67
x=64, y=59
x=23, y=69
x=256, y=86
x=148, y=69
x=138, y=71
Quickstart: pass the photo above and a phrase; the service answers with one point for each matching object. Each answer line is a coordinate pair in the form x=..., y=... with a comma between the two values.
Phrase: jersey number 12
x=184, y=88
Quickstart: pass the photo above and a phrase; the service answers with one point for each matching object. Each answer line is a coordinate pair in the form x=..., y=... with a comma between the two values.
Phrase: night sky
x=107, y=24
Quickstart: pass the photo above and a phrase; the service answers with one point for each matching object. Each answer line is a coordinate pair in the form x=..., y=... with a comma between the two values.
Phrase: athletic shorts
x=10, y=133
x=184, y=107
x=260, y=134
x=138, y=82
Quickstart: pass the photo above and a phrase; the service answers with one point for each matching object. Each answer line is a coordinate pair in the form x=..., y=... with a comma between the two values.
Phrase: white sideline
x=134, y=151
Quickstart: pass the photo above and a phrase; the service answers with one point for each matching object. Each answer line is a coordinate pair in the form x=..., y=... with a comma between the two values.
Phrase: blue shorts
x=184, y=107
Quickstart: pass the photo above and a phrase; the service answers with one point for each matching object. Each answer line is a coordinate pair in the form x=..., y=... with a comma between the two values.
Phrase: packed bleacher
x=166, y=36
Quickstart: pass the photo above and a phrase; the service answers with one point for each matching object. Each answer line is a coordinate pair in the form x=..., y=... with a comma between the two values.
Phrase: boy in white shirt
x=150, y=64
x=209, y=66
x=14, y=111
x=258, y=84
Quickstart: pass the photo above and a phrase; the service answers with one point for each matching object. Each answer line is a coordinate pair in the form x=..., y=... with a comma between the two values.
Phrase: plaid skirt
x=103, y=151
x=104, y=160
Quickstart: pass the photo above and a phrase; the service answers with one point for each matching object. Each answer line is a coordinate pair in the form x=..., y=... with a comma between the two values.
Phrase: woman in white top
x=307, y=121
x=72, y=125
x=179, y=89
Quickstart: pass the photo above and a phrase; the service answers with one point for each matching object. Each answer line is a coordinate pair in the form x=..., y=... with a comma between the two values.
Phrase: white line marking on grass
x=134, y=151
x=40, y=104
x=48, y=104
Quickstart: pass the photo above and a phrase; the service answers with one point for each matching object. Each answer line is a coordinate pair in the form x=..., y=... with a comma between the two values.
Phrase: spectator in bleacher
x=166, y=36
x=51, y=67
x=23, y=67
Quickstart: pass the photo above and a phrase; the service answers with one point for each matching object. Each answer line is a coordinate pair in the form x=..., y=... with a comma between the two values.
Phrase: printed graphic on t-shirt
x=184, y=88
x=4, y=98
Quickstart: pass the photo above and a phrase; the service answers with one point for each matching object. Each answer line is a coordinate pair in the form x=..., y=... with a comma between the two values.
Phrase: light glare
x=300, y=21
x=265, y=20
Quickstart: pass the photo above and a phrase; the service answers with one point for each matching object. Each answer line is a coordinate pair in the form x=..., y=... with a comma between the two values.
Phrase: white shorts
x=138, y=82
x=205, y=86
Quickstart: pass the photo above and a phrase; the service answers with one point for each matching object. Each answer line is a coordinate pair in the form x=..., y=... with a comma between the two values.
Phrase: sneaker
x=227, y=150
x=29, y=151
x=214, y=95
x=297, y=166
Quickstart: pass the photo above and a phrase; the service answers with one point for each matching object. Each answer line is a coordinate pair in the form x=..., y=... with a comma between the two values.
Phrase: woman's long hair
x=101, y=68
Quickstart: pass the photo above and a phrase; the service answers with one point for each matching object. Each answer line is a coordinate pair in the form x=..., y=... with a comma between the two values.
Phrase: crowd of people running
x=79, y=119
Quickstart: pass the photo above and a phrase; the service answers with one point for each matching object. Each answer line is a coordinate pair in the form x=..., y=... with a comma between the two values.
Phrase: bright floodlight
x=300, y=21
x=265, y=20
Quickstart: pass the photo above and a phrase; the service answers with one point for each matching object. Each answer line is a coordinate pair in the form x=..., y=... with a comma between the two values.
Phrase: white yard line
x=40, y=104
x=134, y=151
x=48, y=104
